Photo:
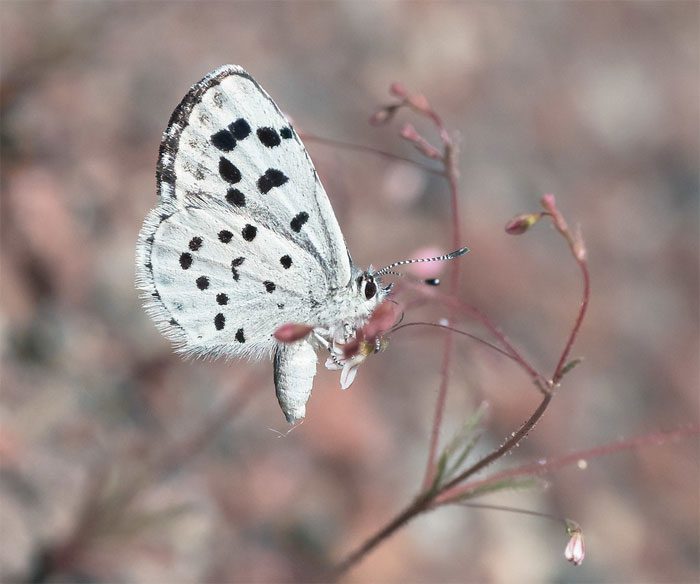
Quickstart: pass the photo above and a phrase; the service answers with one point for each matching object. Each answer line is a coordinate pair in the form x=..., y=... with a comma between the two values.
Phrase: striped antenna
x=448, y=256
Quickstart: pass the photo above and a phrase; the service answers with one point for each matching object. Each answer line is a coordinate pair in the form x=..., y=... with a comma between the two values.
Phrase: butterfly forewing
x=244, y=238
x=229, y=141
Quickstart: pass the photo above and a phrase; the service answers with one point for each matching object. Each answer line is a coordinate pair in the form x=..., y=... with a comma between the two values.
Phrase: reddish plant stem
x=457, y=331
x=368, y=150
x=558, y=371
x=474, y=312
x=508, y=445
x=419, y=505
x=554, y=464
x=452, y=175
x=428, y=498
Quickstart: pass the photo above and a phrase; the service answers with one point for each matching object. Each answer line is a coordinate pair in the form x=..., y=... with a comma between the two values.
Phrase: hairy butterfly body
x=244, y=239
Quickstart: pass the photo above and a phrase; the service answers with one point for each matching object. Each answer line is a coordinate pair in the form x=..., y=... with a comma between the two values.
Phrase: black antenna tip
x=458, y=252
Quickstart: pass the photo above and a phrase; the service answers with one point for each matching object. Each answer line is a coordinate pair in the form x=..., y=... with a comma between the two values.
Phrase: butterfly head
x=368, y=287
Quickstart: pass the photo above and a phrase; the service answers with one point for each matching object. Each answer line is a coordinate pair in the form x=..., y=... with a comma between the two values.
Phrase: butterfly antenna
x=448, y=256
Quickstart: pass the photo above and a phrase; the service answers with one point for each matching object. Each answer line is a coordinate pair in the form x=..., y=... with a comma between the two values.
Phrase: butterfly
x=244, y=240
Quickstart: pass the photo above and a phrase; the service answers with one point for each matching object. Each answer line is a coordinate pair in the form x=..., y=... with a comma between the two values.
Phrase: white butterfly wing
x=220, y=283
x=231, y=163
x=229, y=141
x=244, y=238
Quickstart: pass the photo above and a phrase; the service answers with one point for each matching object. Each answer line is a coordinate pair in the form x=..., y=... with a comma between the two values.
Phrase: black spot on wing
x=297, y=223
x=269, y=137
x=219, y=321
x=225, y=236
x=202, y=282
x=223, y=140
x=272, y=178
x=286, y=262
x=240, y=337
x=229, y=171
x=269, y=286
x=195, y=243
x=235, y=197
x=222, y=299
x=286, y=133
x=249, y=232
x=234, y=265
x=240, y=129
x=185, y=260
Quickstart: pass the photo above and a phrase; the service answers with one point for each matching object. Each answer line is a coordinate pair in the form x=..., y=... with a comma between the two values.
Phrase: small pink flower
x=575, y=550
x=291, y=332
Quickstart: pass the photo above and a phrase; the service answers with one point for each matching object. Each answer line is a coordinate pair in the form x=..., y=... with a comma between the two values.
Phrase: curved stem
x=450, y=489
x=368, y=150
x=457, y=331
x=558, y=371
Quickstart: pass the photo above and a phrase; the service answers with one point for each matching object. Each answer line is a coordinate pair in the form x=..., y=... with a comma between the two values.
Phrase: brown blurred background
x=176, y=465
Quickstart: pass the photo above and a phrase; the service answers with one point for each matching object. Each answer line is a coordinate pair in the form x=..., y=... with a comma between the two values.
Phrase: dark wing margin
x=169, y=144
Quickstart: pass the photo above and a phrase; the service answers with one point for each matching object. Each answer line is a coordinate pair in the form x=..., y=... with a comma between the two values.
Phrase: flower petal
x=348, y=375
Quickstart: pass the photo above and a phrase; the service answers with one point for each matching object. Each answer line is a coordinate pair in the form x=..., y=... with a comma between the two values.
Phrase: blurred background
x=121, y=462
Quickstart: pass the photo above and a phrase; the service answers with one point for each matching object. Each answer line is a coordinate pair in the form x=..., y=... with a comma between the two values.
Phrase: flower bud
x=408, y=132
x=382, y=319
x=383, y=115
x=291, y=332
x=520, y=224
x=420, y=102
x=575, y=550
x=398, y=90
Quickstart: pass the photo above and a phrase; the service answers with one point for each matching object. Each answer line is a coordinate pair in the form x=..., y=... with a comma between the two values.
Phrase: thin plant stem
x=418, y=506
x=508, y=445
x=369, y=150
x=474, y=312
x=429, y=498
x=452, y=176
x=558, y=371
x=553, y=464
x=457, y=331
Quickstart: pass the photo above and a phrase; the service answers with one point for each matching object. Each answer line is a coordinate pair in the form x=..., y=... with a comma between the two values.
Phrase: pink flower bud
x=575, y=550
x=408, y=132
x=520, y=224
x=382, y=319
x=420, y=102
x=291, y=332
x=380, y=117
x=548, y=201
x=398, y=90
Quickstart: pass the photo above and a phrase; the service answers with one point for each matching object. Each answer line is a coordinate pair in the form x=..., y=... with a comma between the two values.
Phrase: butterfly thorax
x=347, y=309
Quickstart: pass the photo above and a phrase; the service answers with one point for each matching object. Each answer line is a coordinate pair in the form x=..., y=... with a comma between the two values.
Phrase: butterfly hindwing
x=220, y=283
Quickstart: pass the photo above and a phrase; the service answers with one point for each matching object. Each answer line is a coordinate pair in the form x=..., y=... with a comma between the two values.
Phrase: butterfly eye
x=370, y=289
